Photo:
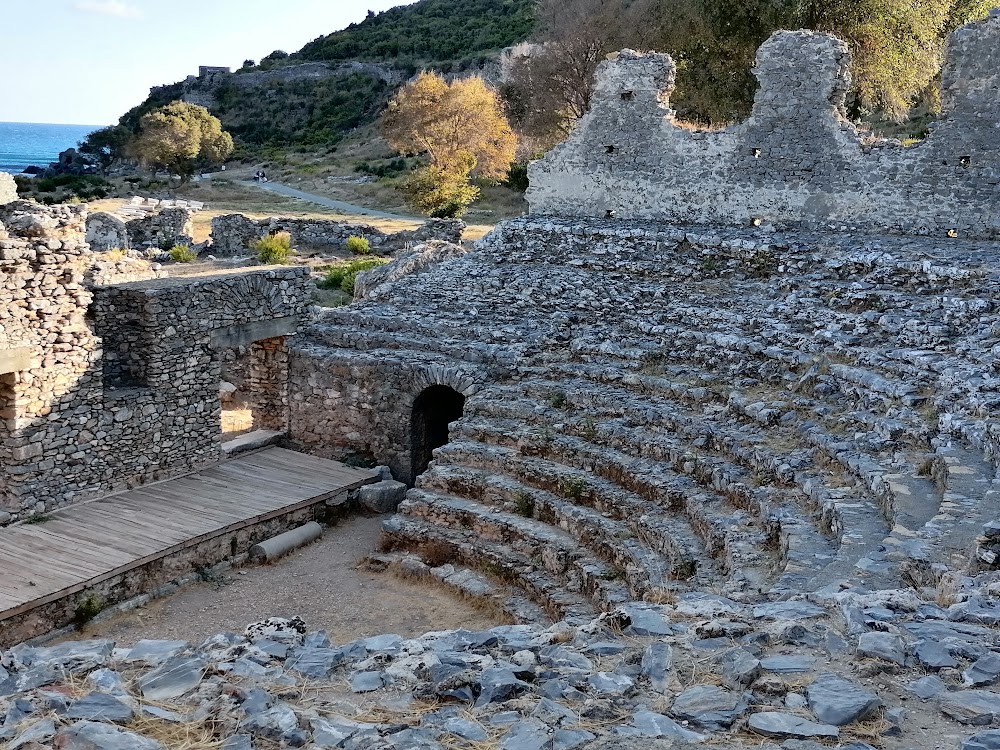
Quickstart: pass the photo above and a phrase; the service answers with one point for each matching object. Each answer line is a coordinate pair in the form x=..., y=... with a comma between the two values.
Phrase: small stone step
x=496, y=560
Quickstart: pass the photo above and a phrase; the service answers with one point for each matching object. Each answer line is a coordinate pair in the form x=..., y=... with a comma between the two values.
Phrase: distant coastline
x=25, y=144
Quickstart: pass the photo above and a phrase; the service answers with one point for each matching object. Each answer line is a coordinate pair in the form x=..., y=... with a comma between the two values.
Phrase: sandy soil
x=320, y=583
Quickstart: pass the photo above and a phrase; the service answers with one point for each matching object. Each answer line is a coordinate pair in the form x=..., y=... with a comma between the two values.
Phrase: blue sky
x=88, y=61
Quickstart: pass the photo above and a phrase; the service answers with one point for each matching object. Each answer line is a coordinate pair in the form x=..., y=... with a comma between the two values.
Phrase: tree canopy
x=461, y=128
x=460, y=125
x=181, y=136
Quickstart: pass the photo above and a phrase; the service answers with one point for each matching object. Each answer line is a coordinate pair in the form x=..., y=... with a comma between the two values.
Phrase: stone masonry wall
x=105, y=387
x=344, y=406
x=233, y=234
x=796, y=161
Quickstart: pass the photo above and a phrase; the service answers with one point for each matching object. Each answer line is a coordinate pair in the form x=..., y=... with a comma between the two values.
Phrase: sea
x=25, y=144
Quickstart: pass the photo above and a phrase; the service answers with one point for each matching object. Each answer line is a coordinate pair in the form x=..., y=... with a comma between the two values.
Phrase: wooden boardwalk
x=89, y=543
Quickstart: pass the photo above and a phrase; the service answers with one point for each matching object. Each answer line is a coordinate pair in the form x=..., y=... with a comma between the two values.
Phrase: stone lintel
x=234, y=336
x=15, y=360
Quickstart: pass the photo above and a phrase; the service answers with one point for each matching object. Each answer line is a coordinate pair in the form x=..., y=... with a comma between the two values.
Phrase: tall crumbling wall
x=105, y=384
x=796, y=161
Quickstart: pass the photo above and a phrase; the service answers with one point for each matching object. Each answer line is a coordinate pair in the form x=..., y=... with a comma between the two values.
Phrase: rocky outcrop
x=417, y=260
x=8, y=189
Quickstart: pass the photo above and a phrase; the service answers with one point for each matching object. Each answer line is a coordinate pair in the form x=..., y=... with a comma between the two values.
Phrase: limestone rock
x=834, y=700
x=382, y=497
x=784, y=726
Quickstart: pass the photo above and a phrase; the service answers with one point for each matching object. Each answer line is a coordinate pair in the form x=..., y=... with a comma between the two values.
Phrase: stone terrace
x=651, y=409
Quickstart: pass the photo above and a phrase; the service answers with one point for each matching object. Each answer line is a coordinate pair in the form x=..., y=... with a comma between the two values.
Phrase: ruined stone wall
x=104, y=387
x=164, y=229
x=796, y=161
x=169, y=227
x=344, y=406
x=233, y=234
x=8, y=188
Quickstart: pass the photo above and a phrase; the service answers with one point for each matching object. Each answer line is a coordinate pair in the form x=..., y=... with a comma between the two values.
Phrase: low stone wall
x=169, y=227
x=233, y=234
x=796, y=161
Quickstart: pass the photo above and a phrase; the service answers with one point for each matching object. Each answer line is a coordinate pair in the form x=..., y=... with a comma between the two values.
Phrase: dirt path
x=319, y=583
x=319, y=200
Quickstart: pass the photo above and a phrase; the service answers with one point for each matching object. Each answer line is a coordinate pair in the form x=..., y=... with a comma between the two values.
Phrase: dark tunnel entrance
x=433, y=410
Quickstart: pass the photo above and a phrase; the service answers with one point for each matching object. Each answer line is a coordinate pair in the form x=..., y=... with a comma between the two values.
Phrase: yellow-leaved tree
x=461, y=128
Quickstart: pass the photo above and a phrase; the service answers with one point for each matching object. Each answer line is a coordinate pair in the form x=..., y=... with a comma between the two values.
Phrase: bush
x=275, y=249
x=359, y=246
x=182, y=254
x=343, y=275
x=517, y=177
x=439, y=193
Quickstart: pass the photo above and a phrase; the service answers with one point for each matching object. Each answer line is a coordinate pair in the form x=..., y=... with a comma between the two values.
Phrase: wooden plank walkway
x=85, y=544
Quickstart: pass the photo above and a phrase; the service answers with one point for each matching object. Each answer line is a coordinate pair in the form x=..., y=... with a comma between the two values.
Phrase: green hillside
x=429, y=32
x=284, y=102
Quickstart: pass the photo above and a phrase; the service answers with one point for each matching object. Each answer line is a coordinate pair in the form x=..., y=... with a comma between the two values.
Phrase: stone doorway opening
x=433, y=411
x=254, y=388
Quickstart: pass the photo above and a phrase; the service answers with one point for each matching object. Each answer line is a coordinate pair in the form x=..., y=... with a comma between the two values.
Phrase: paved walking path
x=319, y=200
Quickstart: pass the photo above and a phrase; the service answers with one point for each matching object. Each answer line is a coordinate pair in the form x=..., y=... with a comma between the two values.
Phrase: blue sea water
x=25, y=144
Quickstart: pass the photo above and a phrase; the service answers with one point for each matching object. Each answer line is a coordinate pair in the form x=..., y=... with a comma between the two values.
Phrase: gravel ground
x=320, y=583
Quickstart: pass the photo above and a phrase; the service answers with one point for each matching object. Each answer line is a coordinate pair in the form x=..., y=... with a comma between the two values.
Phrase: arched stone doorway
x=433, y=410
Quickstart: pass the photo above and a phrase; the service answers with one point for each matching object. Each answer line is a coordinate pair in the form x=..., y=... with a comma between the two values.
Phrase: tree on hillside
x=460, y=127
x=107, y=145
x=180, y=137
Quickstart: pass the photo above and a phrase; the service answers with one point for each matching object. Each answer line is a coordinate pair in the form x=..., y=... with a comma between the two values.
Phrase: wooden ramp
x=84, y=545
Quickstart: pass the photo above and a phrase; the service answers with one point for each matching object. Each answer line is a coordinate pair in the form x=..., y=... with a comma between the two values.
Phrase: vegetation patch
x=182, y=254
x=274, y=250
x=343, y=275
x=358, y=246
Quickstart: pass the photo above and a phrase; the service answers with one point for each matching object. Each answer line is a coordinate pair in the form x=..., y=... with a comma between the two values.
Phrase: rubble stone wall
x=343, y=406
x=796, y=161
x=103, y=387
x=233, y=234
x=169, y=227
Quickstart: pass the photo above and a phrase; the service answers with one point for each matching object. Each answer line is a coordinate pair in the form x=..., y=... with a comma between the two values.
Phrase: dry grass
x=186, y=735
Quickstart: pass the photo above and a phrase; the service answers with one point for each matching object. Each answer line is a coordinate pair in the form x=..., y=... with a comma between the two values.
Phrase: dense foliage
x=431, y=31
x=304, y=113
x=463, y=131
x=181, y=137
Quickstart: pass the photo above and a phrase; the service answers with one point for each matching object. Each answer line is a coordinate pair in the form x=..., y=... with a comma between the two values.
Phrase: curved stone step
x=744, y=550
x=554, y=549
x=651, y=571
x=499, y=562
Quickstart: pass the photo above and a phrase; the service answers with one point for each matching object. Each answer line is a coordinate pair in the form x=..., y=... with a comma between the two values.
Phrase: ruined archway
x=434, y=409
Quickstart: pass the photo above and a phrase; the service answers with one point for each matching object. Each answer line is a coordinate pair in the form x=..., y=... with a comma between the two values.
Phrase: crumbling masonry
x=109, y=377
x=676, y=398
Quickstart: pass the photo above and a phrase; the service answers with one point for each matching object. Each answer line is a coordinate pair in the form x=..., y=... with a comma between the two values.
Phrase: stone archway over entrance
x=434, y=409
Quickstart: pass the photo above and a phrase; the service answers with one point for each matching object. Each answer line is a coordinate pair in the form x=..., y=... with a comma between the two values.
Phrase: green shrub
x=182, y=254
x=342, y=275
x=439, y=193
x=275, y=249
x=359, y=245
